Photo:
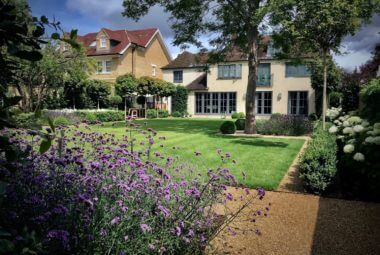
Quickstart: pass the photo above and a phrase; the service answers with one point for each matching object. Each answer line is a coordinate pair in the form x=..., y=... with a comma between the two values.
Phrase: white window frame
x=154, y=71
x=103, y=42
x=103, y=67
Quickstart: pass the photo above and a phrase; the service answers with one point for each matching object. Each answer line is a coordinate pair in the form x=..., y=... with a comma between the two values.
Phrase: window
x=64, y=45
x=293, y=70
x=108, y=66
x=178, y=76
x=100, y=67
x=103, y=42
x=264, y=75
x=154, y=70
x=215, y=103
x=93, y=44
x=104, y=66
x=264, y=102
x=298, y=102
x=229, y=71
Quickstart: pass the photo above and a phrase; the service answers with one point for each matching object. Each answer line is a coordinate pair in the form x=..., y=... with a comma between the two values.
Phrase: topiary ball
x=240, y=124
x=228, y=127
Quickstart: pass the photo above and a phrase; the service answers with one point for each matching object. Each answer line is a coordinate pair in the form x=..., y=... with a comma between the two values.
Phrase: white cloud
x=353, y=59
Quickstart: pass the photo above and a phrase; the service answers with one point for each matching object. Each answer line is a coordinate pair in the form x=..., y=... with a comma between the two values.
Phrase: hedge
x=318, y=163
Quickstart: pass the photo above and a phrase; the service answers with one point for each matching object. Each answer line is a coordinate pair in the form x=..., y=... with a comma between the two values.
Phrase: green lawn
x=264, y=160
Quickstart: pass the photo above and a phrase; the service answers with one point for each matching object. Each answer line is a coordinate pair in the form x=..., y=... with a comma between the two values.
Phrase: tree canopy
x=231, y=24
x=318, y=27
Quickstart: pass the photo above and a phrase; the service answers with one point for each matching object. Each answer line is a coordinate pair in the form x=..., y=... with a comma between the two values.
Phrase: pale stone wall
x=280, y=87
x=189, y=75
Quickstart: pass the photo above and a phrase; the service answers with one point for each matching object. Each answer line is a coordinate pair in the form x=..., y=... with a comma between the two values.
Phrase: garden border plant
x=92, y=193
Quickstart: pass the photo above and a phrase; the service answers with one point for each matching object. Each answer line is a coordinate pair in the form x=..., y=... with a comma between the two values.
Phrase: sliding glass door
x=215, y=102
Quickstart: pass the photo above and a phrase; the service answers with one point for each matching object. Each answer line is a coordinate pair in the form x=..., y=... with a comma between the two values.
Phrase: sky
x=91, y=15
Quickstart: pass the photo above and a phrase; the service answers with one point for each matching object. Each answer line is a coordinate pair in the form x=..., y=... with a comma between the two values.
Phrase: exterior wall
x=154, y=54
x=280, y=86
x=143, y=60
x=189, y=74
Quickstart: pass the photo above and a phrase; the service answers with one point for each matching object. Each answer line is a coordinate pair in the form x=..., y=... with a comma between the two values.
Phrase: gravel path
x=306, y=224
x=291, y=181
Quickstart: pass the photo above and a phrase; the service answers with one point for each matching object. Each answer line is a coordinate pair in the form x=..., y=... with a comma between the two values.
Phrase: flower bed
x=94, y=194
x=359, y=152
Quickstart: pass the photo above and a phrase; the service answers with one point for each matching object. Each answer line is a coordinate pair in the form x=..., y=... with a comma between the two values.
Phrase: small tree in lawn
x=232, y=23
x=98, y=91
x=318, y=26
x=125, y=86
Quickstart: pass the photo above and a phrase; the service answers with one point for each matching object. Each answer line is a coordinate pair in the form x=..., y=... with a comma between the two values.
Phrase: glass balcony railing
x=264, y=80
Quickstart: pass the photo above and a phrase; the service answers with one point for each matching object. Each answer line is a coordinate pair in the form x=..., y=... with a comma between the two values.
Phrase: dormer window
x=103, y=42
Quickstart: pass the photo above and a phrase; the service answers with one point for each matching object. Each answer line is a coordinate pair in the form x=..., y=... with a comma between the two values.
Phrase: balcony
x=264, y=80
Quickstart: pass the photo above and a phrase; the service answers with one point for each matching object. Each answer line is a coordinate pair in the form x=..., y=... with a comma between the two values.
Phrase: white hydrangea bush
x=357, y=135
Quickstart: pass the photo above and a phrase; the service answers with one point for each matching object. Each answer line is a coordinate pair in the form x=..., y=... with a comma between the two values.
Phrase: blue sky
x=91, y=15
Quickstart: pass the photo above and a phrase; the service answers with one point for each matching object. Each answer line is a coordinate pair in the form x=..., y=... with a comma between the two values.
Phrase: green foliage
x=179, y=99
x=92, y=117
x=335, y=99
x=126, y=85
x=27, y=120
x=238, y=115
x=334, y=80
x=228, y=127
x=177, y=114
x=151, y=113
x=98, y=91
x=280, y=124
x=240, y=124
x=61, y=121
x=141, y=100
x=115, y=100
x=312, y=117
x=318, y=163
x=350, y=89
x=370, y=95
x=163, y=113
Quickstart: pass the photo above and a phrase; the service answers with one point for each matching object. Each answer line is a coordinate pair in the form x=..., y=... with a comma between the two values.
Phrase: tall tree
x=232, y=23
x=319, y=26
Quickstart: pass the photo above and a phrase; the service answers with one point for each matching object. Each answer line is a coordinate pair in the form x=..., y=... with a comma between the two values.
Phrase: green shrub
x=107, y=116
x=312, y=117
x=370, y=95
x=179, y=99
x=87, y=116
x=318, y=163
x=114, y=101
x=238, y=115
x=177, y=114
x=228, y=127
x=291, y=125
x=27, y=120
x=240, y=124
x=335, y=99
x=151, y=113
x=61, y=121
x=276, y=115
x=163, y=113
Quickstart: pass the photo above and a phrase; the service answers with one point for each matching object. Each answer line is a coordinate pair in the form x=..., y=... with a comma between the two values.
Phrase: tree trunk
x=324, y=97
x=125, y=108
x=250, y=117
